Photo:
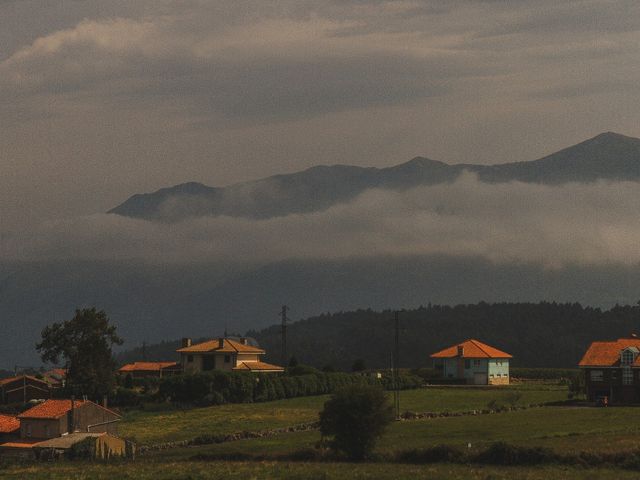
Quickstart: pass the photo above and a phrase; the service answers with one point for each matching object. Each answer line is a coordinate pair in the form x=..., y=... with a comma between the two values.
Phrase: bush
x=356, y=417
x=502, y=453
x=439, y=453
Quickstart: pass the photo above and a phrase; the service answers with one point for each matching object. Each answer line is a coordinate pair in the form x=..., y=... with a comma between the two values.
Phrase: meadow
x=564, y=428
x=158, y=424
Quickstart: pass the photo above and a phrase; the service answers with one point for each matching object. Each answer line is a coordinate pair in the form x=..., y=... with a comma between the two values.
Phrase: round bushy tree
x=355, y=417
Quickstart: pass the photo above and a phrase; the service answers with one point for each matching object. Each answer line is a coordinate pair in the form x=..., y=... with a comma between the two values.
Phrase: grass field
x=152, y=426
x=566, y=429
x=304, y=471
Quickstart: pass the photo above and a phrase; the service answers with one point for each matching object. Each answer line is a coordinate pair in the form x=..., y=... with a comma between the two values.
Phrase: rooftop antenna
x=283, y=315
x=225, y=331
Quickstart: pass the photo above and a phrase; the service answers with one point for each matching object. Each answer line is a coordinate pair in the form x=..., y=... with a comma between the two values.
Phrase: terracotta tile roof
x=24, y=443
x=6, y=381
x=471, y=349
x=9, y=424
x=146, y=366
x=257, y=367
x=57, y=408
x=51, y=409
x=229, y=346
x=607, y=354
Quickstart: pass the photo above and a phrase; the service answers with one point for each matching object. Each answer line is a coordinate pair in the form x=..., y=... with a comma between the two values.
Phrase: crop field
x=155, y=425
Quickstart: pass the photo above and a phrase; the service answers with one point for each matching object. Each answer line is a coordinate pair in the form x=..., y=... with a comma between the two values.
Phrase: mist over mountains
x=608, y=156
x=191, y=260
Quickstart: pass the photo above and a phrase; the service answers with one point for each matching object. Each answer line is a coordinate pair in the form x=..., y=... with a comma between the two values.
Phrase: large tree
x=356, y=416
x=84, y=344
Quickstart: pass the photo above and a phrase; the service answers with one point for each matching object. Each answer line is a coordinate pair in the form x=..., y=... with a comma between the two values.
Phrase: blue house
x=473, y=361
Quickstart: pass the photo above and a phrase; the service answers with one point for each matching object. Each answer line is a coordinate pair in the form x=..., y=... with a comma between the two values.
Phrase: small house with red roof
x=150, y=369
x=473, y=362
x=53, y=418
x=612, y=370
x=9, y=428
x=224, y=354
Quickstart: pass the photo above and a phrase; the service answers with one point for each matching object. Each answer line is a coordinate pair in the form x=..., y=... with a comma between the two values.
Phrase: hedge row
x=216, y=387
x=544, y=373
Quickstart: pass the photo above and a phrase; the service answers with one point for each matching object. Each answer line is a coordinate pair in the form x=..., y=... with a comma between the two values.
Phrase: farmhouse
x=9, y=428
x=22, y=388
x=474, y=362
x=54, y=419
x=612, y=370
x=150, y=369
x=223, y=354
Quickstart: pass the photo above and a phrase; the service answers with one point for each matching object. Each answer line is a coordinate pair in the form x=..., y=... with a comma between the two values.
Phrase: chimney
x=105, y=402
x=72, y=415
x=221, y=342
x=460, y=350
x=186, y=342
x=243, y=341
x=460, y=361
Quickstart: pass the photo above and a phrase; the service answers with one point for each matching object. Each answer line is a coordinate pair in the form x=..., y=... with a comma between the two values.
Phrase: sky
x=101, y=99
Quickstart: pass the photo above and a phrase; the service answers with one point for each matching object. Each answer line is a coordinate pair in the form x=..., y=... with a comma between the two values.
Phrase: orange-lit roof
x=57, y=408
x=146, y=366
x=607, y=354
x=9, y=423
x=51, y=409
x=258, y=367
x=24, y=443
x=229, y=346
x=471, y=349
x=5, y=381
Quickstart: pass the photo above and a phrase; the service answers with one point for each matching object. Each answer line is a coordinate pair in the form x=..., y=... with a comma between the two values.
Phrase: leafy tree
x=84, y=343
x=355, y=417
x=293, y=362
x=358, y=366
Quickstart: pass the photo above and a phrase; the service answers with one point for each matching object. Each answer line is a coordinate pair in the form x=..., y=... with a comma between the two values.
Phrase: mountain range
x=155, y=301
x=608, y=156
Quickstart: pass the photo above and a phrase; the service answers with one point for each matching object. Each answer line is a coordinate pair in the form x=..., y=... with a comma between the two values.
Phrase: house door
x=208, y=362
x=480, y=378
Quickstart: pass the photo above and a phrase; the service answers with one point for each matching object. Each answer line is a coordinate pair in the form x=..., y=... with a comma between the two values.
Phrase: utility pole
x=396, y=366
x=144, y=350
x=283, y=315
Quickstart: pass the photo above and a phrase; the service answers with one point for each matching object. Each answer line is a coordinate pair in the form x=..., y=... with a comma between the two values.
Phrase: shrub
x=502, y=453
x=439, y=453
x=356, y=417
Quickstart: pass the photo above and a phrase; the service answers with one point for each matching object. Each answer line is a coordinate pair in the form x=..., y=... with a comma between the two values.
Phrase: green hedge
x=218, y=387
x=544, y=373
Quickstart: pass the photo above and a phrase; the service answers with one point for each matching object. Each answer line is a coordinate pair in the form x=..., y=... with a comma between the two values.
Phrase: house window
x=467, y=364
x=46, y=431
x=627, y=357
x=227, y=358
x=627, y=376
x=476, y=363
x=190, y=358
x=596, y=376
x=28, y=429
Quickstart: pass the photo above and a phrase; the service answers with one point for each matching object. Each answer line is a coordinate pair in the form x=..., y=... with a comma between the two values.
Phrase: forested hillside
x=536, y=334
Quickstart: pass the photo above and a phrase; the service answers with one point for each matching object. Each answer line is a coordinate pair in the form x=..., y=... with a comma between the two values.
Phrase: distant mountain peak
x=607, y=156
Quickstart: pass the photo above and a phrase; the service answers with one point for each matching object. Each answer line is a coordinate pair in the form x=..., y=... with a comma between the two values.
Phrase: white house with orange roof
x=473, y=361
x=224, y=354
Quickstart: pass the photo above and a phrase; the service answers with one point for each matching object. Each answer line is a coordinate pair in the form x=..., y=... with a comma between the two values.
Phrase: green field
x=566, y=429
x=304, y=471
x=153, y=426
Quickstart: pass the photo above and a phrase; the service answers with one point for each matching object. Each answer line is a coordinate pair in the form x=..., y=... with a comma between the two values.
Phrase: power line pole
x=396, y=366
x=283, y=315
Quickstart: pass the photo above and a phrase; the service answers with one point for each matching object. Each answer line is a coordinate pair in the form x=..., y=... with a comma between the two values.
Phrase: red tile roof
x=471, y=349
x=257, y=367
x=6, y=381
x=9, y=423
x=229, y=346
x=607, y=354
x=51, y=409
x=23, y=443
x=146, y=366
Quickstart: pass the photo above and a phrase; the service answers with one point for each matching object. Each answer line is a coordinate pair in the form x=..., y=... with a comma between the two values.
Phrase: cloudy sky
x=100, y=99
